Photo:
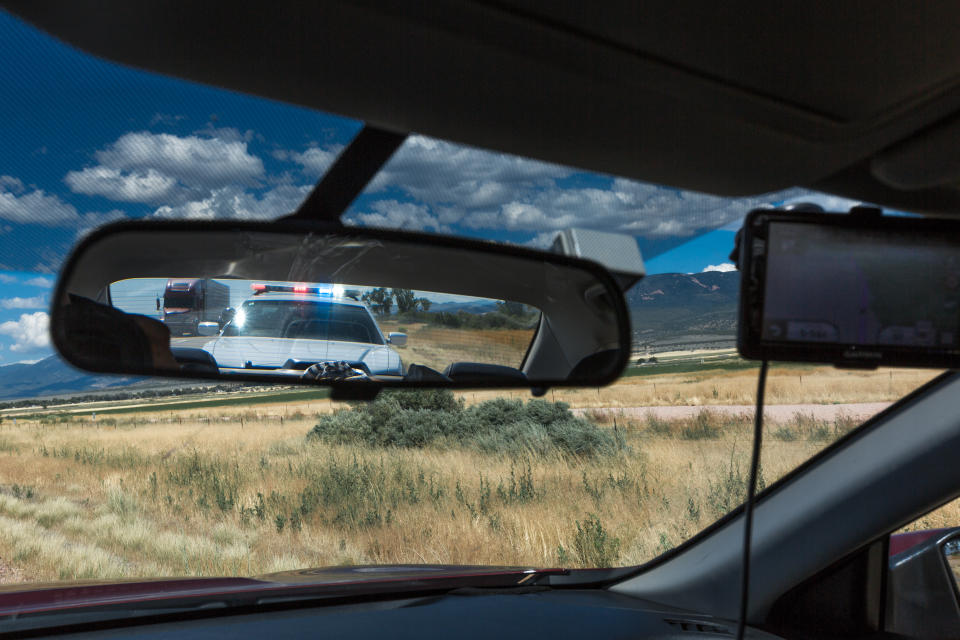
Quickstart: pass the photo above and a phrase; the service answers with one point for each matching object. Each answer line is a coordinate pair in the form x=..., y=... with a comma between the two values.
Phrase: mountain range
x=478, y=306
x=52, y=376
x=685, y=309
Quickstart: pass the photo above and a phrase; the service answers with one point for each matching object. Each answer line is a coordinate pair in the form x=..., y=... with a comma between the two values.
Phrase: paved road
x=195, y=341
x=777, y=412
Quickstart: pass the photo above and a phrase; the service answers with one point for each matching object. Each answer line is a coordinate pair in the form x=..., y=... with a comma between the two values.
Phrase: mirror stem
x=349, y=175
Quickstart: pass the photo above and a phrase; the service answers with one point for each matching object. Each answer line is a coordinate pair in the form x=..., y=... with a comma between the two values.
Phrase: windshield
x=301, y=319
x=110, y=477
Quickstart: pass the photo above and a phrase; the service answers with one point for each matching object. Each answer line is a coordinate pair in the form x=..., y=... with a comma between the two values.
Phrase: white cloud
x=31, y=331
x=825, y=200
x=9, y=183
x=227, y=134
x=165, y=119
x=234, y=202
x=33, y=207
x=628, y=207
x=722, y=267
x=36, y=302
x=484, y=190
x=211, y=162
x=542, y=240
x=314, y=161
x=124, y=186
x=6, y=278
x=434, y=171
x=39, y=281
x=161, y=167
x=90, y=221
x=400, y=215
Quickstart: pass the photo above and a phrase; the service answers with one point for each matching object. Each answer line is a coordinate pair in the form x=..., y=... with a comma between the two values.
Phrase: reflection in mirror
x=285, y=327
x=252, y=302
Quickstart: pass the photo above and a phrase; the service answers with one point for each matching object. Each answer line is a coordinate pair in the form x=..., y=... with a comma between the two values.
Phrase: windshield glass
x=302, y=319
x=109, y=477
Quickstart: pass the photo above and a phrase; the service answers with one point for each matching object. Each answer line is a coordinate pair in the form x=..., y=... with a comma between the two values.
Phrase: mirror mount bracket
x=349, y=175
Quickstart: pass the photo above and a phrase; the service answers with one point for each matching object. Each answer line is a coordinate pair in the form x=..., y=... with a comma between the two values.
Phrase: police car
x=287, y=328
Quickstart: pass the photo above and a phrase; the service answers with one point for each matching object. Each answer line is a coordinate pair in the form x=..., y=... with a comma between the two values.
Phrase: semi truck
x=189, y=301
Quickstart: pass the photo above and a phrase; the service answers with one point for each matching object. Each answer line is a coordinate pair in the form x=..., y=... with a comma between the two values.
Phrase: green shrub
x=438, y=418
x=729, y=489
x=703, y=426
x=592, y=546
x=785, y=434
x=211, y=481
x=360, y=494
x=657, y=425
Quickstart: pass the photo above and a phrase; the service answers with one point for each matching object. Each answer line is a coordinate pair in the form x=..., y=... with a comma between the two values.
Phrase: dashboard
x=464, y=613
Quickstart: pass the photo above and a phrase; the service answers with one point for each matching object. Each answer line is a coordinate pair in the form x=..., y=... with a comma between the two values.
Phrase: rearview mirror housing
x=316, y=303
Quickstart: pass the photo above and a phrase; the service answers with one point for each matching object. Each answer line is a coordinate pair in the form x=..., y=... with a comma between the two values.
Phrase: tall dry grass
x=794, y=385
x=90, y=500
x=240, y=491
x=785, y=385
x=437, y=347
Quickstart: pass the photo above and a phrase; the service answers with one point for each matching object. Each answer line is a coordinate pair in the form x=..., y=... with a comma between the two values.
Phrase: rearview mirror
x=308, y=303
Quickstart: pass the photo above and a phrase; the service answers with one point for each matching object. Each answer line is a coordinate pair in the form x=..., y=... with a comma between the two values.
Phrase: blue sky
x=85, y=142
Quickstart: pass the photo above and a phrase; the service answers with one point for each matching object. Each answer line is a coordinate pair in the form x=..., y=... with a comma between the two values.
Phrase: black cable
x=748, y=507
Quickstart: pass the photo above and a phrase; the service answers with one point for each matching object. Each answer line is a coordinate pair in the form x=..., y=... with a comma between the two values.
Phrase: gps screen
x=847, y=286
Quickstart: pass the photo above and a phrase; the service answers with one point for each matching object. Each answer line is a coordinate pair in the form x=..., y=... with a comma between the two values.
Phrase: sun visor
x=927, y=159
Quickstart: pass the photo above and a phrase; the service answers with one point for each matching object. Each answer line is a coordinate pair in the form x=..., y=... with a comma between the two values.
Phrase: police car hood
x=240, y=352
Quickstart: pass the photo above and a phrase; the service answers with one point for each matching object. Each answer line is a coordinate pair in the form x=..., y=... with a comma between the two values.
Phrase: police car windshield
x=304, y=319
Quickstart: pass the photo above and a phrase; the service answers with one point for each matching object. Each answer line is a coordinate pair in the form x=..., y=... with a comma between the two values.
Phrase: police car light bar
x=323, y=290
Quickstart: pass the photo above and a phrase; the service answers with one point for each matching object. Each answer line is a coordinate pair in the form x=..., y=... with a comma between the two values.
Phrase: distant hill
x=52, y=376
x=479, y=306
x=675, y=308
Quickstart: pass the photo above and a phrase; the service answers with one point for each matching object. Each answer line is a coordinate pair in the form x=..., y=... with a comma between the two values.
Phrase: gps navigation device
x=855, y=289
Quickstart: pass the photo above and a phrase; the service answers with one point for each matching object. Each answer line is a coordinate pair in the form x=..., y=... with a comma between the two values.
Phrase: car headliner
x=853, y=98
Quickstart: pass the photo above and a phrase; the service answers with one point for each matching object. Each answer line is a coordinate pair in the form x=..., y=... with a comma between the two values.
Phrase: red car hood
x=35, y=598
x=900, y=542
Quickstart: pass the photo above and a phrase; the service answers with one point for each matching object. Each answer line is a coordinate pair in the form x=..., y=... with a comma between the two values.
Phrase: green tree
x=509, y=308
x=405, y=300
x=379, y=300
x=424, y=304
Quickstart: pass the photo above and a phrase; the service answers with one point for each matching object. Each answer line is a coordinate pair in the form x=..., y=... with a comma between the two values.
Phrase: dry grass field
x=235, y=491
x=785, y=385
x=809, y=385
x=436, y=347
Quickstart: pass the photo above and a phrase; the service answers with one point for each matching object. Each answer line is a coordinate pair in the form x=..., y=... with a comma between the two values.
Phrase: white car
x=290, y=327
